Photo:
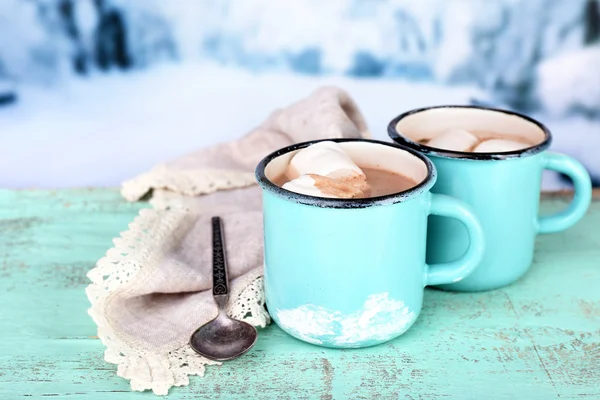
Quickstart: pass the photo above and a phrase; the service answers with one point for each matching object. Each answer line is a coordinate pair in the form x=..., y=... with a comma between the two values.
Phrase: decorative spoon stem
x=219, y=265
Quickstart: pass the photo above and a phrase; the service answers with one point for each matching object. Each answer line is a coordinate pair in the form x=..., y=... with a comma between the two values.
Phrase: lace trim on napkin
x=132, y=253
x=188, y=182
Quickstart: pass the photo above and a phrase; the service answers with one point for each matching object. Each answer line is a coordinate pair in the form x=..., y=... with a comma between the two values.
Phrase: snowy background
x=93, y=92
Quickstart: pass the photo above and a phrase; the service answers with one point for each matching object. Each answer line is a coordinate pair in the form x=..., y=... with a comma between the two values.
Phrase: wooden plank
x=568, y=194
x=537, y=339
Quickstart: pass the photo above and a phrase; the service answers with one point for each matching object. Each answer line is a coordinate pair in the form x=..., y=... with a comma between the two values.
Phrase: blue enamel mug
x=351, y=272
x=503, y=189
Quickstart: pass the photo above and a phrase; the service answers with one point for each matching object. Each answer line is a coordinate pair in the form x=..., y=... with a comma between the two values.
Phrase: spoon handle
x=219, y=264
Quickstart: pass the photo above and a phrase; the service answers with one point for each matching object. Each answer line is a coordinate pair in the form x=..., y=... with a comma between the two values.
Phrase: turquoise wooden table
x=537, y=339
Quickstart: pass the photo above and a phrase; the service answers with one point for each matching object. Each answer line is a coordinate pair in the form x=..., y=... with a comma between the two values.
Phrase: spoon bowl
x=222, y=338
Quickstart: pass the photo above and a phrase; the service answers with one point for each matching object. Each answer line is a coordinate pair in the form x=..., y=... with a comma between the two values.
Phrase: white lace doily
x=188, y=182
x=132, y=252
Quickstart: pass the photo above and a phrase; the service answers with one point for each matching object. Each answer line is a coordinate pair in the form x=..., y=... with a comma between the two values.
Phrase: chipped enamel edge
x=400, y=139
x=324, y=202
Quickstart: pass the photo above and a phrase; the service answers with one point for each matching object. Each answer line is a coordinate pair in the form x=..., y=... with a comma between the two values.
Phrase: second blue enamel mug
x=503, y=189
x=351, y=272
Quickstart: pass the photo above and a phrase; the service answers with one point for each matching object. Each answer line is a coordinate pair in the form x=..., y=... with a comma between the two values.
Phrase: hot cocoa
x=325, y=170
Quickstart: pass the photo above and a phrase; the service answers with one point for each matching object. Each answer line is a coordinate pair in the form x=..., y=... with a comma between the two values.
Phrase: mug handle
x=454, y=271
x=581, y=199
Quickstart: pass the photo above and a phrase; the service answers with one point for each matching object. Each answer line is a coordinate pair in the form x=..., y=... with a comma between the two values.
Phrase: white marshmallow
x=326, y=159
x=304, y=184
x=454, y=139
x=499, y=146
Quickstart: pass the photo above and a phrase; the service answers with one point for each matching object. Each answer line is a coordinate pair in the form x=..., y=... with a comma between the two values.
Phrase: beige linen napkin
x=152, y=289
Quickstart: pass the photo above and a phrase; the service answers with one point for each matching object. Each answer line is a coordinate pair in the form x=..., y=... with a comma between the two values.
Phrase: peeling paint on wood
x=537, y=339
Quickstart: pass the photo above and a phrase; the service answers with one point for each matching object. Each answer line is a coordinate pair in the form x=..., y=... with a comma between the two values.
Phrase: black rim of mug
x=434, y=151
x=324, y=202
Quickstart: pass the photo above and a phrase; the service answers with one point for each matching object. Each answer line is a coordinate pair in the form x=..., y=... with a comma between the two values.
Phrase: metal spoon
x=222, y=338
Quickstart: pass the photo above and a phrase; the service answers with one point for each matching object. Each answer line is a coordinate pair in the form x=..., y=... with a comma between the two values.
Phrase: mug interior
x=366, y=154
x=426, y=124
